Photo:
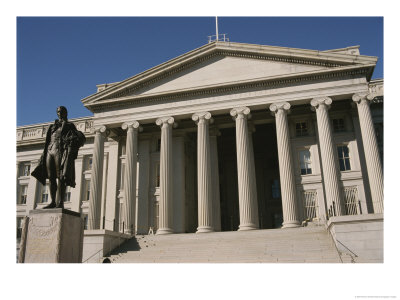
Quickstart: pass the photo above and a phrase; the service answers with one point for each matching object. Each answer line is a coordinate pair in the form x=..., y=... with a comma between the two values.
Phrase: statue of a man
x=57, y=162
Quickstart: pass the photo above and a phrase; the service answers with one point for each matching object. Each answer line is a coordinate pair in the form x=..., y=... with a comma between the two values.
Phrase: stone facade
x=226, y=137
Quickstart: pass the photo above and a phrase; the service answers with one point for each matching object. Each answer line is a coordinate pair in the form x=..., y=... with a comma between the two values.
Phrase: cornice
x=290, y=55
x=36, y=133
x=267, y=82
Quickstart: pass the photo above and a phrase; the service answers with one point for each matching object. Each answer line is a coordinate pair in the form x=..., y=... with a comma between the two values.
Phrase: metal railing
x=352, y=204
x=221, y=38
x=310, y=204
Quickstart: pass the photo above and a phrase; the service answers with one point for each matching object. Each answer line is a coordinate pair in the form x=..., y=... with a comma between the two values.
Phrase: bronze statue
x=57, y=162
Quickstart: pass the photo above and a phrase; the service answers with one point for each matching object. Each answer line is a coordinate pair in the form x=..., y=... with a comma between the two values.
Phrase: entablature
x=36, y=134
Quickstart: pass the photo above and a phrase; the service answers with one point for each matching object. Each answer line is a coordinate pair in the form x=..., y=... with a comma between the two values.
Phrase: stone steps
x=293, y=245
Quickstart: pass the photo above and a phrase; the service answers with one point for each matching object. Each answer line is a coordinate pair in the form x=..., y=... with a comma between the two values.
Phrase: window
x=338, y=125
x=85, y=222
x=45, y=193
x=26, y=170
x=276, y=189
x=158, y=174
x=352, y=203
x=122, y=176
x=67, y=194
x=87, y=190
x=305, y=162
x=19, y=226
x=344, y=158
x=88, y=164
x=23, y=194
x=301, y=129
x=310, y=204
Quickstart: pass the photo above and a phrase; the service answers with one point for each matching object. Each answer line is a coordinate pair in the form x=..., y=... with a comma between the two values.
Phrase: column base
x=248, y=227
x=128, y=232
x=291, y=224
x=204, y=229
x=164, y=231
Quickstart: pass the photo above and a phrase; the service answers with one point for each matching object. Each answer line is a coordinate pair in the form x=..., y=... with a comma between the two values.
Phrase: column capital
x=202, y=116
x=275, y=107
x=240, y=112
x=320, y=102
x=360, y=97
x=166, y=121
x=102, y=129
x=132, y=124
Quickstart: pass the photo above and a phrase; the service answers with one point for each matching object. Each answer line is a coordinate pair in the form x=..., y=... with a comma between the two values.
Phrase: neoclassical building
x=226, y=137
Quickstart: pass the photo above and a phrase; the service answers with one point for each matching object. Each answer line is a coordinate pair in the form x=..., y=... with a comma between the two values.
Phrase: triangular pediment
x=223, y=70
x=220, y=64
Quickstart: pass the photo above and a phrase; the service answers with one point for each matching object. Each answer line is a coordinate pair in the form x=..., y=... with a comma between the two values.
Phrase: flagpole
x=216, y=27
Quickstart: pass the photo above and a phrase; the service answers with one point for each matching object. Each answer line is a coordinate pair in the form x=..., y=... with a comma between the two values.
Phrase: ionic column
x=288, y=185
x=371, y=150
x=330, y=165
x=204, y=190
x=96, y=178
x=165, y=204
x=214, y=133
x=32, y=189
x=132, y=129
x=77, y=191
x=248, y=209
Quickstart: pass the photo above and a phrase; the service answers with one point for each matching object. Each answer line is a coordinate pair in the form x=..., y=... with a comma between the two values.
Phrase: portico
x=232, y=137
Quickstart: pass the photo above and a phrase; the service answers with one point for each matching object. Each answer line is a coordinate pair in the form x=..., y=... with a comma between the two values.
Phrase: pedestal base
x=164, y=231
x=290, y=224
x=245, y=227
x=52, y=236
x=204, y=229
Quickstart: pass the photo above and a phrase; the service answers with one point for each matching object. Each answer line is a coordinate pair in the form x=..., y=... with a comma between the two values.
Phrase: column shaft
x=330, y=166
x=288, y=185
x=205, y=216
x=130, y=175
x=371, y=150
x=32, y=190
x=96, y=179
x=248, y=209
x=76, y=192
x=165, y=204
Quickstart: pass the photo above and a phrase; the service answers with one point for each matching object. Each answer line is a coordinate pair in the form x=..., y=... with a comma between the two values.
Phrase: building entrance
x=267, y=177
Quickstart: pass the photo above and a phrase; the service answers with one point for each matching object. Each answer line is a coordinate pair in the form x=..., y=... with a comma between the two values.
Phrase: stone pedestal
x=52, y=236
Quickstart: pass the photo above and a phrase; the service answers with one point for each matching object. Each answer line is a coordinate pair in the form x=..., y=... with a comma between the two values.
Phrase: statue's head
x=62, y=112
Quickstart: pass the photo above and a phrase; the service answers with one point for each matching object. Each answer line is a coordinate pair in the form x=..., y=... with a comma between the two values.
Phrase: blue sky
x=61, y=59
